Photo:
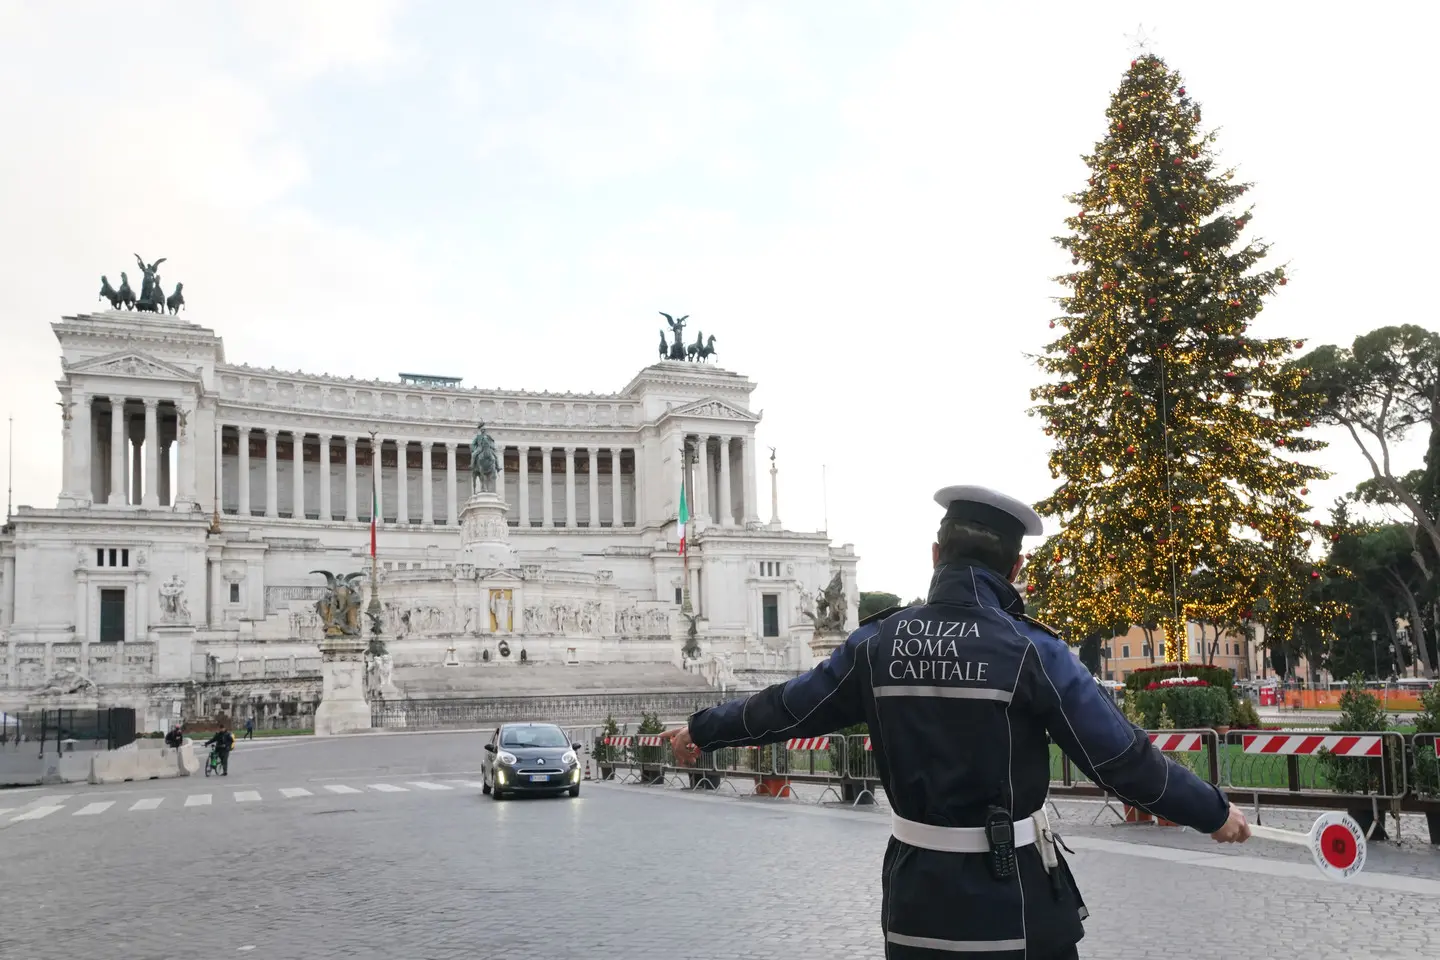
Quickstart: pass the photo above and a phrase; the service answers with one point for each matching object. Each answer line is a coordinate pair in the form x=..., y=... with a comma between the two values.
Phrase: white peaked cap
x=1021, y=513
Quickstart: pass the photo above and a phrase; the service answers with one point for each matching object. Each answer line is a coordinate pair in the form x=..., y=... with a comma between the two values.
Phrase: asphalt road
x=383, y=847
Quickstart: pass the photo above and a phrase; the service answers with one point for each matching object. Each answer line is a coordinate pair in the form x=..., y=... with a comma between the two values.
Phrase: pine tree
x=1171, y=423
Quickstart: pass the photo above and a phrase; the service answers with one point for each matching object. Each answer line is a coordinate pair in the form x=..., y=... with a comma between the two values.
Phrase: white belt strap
x=954, y=839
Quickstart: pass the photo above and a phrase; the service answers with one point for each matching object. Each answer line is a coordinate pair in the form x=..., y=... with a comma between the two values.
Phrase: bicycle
x=212, y=763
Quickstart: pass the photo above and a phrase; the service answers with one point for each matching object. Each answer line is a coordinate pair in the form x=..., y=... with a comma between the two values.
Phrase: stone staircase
x=474, y=681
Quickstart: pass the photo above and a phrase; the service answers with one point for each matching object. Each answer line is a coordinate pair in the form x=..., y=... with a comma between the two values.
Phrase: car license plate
x=540, y=778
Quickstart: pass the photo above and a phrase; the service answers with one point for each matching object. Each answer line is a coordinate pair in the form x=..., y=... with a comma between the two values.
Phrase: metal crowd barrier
x=1305, y=768
x=1425, y=757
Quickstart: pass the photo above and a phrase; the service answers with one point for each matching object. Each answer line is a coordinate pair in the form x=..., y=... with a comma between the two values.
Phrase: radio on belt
x=1000, y=833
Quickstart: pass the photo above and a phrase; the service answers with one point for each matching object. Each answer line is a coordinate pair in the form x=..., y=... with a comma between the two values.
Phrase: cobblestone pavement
x=425, y=873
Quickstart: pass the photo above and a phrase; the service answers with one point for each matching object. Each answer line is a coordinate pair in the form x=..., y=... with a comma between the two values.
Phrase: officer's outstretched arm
x=1110, y=749
x=812, y=705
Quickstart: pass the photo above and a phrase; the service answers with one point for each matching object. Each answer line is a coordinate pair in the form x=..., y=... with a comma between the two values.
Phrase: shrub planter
x=651, y=776
x=858, y=792
x=704, y=781
x=1432, y=820
x=1365, y=816
x=772, y=787
x=607, y=772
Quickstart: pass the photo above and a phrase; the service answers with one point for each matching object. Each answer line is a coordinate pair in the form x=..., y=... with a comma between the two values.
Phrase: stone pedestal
x=343, y=707
x=174, y=643
x=484, y=534
x=823, y=644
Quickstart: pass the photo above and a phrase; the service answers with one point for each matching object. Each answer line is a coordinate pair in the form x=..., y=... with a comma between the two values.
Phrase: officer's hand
x=683, y=747
x=1236, y=829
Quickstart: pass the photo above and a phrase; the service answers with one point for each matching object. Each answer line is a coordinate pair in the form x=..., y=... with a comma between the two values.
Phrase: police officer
x=963, y=695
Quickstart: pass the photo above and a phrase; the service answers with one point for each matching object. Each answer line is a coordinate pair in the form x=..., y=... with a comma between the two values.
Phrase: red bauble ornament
x=1052, y=324
x=1317, y=524
x=1181, y=91
x=1314, y=574
x=1177, y=161
x=1130, y=449
x=1304, y=491
x=1029, y=588
x=1299, y=344
x=1133, y=62
x=1175, y=508
x=1127, y=393
x=1229, y=373
x=1113, y=166
x=1283, y=281
x=1073, y=351
x=1150, y=302
x=1186, y=253
x=1335, y=538
x=1074, y=260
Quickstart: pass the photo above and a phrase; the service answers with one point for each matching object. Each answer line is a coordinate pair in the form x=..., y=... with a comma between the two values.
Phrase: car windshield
x=533, y=737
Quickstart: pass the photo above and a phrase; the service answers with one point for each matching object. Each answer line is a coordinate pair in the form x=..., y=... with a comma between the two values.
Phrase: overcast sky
x=857, y=200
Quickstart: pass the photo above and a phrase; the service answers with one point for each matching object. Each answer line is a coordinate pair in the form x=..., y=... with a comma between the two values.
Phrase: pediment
x=128, y=363
x=711, y=408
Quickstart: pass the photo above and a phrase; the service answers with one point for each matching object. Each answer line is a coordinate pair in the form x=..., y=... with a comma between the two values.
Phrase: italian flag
x=684, y=516
x=374, y=518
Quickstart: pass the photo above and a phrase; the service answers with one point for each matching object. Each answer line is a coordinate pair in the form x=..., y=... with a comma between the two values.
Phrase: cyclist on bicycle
x=222, y=742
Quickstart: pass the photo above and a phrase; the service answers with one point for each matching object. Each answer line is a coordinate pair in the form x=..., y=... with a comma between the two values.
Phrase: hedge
x=1215, y=676
x=1190, y=708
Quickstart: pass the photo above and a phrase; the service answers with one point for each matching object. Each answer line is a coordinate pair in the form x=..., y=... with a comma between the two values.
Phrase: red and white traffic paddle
x=1336, y=842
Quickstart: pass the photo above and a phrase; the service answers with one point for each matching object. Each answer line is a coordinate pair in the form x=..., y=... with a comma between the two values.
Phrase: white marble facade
x=199, y=495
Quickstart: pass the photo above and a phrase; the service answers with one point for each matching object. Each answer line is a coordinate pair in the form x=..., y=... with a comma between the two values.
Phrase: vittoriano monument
x=484, y=463
x=484, y=533
x=152, y=297
x=699, y=351
x=343, y=706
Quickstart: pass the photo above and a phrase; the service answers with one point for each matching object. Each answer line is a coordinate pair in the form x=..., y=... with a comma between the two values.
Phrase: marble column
x=185, y=455
x=402, y=477
x=150, y=497
x=452, y=516
x=547, y=492
x=117, y=451
x=500, y=471
x=325, y=513
x=617, y=506
x=272, y=473
x=377, y=477
x=702, y=478
x=749, y=509
x=82, y=605
x=243, y=452
x=593, y=455
x=727, y=509
x=217, y=488
x=350, y=506
x=570, y=486
x=524, y=482
x=641, y=487
x=427, y=483
x=82, y=446
x=297, y=492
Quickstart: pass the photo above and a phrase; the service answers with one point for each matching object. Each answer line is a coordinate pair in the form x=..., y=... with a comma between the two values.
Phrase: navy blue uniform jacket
x=962, y=696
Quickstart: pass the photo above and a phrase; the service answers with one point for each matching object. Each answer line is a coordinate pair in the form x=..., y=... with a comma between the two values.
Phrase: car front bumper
x=512, y=781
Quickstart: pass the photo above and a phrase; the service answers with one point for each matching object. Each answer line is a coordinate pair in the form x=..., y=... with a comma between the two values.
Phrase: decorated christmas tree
x=1173, y=427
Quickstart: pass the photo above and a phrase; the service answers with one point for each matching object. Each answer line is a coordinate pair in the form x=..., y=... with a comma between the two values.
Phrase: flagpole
x=10, y=479
x=373, y=609
x=824, y=498
x=685, y=606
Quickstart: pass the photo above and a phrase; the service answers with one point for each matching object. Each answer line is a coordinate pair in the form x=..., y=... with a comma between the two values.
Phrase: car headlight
x=569, y=757
x=506, y=758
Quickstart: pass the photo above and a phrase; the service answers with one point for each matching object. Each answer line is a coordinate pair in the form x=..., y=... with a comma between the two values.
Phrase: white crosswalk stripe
x=5, y=810
x=149, y=803
x=37, y=813
x=428, y=786
x=467, y=783
x=198, y=800
x=246, y=796
x=291, y=792
x=91, y=809
x=388, y=788
x=341, y=788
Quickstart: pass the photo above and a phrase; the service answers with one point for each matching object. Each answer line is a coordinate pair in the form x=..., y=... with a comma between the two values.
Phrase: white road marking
x=467, y=783
x=246, y=796
x=149, y=803
x=292, y=792
x=428, y=786
x=198, y=800
x=90, y=810
x=387, y=788
x=36, y=813
x=340, y=788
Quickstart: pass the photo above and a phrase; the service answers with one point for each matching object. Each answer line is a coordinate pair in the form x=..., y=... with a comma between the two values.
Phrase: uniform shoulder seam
x=1041, y=626
x=881, y=615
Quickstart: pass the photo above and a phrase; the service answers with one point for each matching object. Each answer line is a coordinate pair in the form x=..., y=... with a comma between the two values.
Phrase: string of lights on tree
x=1173, y=427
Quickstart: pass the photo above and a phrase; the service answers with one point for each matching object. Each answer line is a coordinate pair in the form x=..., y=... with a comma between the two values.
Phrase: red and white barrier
x=617, y=741
x=1177, y=742
x=808, y=743
x=867, y=743
x=649, y=740
x=1290, y=744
